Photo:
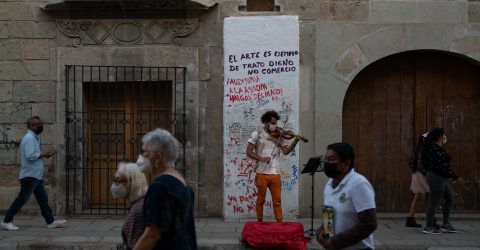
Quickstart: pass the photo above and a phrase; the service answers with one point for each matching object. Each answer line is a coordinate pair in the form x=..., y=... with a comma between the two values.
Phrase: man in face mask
x=32, y=176
x=352, y=199
x=265, y=150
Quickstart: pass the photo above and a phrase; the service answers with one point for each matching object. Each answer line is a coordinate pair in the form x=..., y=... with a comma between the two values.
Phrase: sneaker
x=9, y=226
x=56, y=223
x=432, y=230
x=447, y=228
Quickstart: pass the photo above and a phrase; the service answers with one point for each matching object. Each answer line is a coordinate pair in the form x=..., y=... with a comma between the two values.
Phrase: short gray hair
x=160, y=140
x=30, y=120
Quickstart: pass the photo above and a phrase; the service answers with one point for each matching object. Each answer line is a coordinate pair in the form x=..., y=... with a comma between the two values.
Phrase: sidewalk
x=101, y=233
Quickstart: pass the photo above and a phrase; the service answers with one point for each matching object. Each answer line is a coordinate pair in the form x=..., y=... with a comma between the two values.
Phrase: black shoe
x=411, y=222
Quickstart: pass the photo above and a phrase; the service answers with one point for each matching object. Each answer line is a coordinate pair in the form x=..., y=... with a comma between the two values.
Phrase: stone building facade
x=338, y=39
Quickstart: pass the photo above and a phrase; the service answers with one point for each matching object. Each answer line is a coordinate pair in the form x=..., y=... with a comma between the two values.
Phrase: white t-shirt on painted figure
x=354, y=194
x=264, y=146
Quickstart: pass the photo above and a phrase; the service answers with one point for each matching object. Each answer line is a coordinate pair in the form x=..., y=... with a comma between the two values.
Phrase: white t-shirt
x=264, y=146
x=354, y=194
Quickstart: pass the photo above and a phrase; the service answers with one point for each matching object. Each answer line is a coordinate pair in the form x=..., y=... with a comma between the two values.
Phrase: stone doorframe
x=344, y=49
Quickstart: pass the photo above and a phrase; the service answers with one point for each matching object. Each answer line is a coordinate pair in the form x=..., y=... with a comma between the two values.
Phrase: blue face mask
x=330, y=170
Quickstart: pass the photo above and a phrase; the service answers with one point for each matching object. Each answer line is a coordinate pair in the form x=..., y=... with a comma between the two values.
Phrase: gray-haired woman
x=129, y=182
x=168, y=209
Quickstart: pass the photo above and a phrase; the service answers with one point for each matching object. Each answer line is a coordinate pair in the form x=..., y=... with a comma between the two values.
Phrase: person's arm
x=444, y=163
x=252, y=155
x=30, y=150
x=149, y=238
x=286, y=149
x=367, y=224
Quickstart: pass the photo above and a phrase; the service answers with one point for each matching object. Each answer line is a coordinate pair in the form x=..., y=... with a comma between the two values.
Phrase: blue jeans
x=29, y=185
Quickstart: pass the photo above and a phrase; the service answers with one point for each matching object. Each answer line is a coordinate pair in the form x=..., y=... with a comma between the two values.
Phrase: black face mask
x=39, y=130
x=330, y=170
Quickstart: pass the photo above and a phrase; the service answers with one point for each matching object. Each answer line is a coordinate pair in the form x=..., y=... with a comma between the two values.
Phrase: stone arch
x=396, y=99
x=337, y=64
x=407, y=37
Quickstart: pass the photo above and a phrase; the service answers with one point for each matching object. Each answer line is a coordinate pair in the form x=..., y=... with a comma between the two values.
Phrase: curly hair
x=267, y=116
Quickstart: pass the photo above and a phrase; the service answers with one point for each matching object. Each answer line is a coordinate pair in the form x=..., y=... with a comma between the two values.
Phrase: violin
x=287, y=135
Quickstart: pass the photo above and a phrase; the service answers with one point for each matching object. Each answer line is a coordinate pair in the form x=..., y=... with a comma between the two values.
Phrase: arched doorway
x=393, y=101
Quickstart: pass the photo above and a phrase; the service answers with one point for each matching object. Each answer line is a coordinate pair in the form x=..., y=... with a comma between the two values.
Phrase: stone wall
x=338, y=39
x=26, y=89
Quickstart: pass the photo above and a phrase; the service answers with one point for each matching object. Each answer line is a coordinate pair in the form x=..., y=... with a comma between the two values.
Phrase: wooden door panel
x=394, y=101
x=120, y=114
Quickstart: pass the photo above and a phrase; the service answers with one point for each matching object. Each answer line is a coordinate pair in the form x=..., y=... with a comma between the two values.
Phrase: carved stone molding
x=126, y=32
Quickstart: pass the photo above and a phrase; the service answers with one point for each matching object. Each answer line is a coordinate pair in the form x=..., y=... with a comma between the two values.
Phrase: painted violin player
x=264, y=146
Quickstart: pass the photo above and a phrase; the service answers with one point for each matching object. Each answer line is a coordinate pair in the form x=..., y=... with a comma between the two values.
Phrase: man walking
x=31, y=176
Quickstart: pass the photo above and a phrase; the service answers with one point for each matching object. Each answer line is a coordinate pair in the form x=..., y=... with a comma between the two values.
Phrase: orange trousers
x=274, y=183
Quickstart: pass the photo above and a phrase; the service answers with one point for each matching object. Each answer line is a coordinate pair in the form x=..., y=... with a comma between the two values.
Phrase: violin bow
x=280, y=136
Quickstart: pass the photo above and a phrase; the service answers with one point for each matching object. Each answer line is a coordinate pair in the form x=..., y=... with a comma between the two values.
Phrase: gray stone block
x=6, y=90
x=228, y=8
x=14, y=112
x=393, y=12
x=349, y=62
x=46, y=110
x=387, y=41
x=306, y=9
x=327, y=44
x=442, y=12
x=10, y=174
x=10, y=49
x=9, y=153
x=204, y=63
x=466, y=45
x=24, y=70
x=11, y=11
x=37, y=69
x=428, y=36
x=36, y=49
x=174, y=57
x=34, y=91
x=307, y=43
x=474, y=12
x=354, y=11
x=26, y=29
x=4, y=31
x=128, y=56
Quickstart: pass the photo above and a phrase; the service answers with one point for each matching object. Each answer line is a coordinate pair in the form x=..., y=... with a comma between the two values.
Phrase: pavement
x=102, y=233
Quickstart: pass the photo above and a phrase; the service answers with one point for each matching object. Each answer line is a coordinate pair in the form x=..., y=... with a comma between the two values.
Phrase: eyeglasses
x=37, y=124
x=118, y=181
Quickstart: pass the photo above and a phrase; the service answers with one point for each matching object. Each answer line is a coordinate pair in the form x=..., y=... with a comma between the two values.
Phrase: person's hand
x=298, y=138
x=322, y=241
x=460, y=181
x=266, y=159
x=46, y=154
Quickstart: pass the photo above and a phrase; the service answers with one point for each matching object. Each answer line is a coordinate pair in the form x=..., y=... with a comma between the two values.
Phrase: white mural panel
x=261, y=73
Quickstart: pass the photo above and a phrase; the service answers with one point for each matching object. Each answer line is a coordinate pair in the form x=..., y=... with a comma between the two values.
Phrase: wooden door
x=396, y=99
x=119, y=114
